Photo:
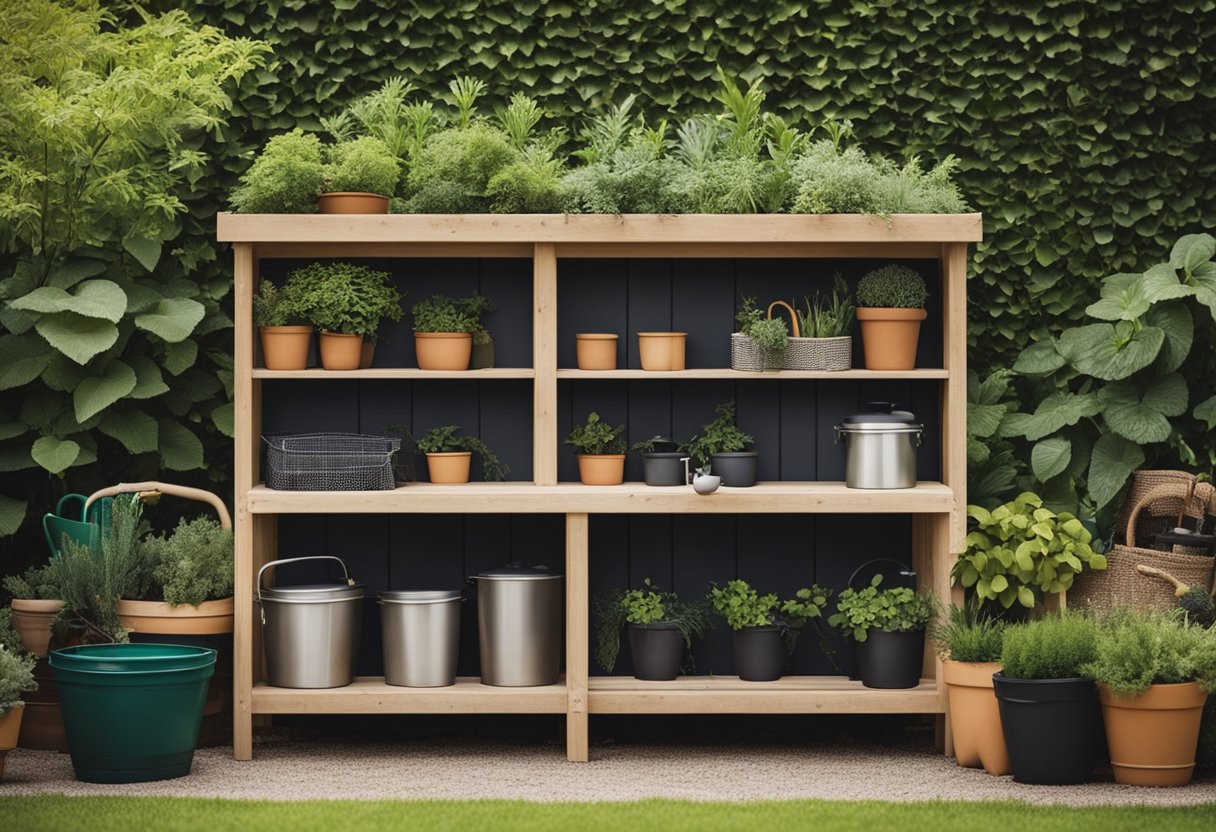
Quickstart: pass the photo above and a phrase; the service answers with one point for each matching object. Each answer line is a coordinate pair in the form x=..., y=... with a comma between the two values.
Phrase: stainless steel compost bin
x=880, y=447
x=421, y=637
x=310, y=632
x=519, y=618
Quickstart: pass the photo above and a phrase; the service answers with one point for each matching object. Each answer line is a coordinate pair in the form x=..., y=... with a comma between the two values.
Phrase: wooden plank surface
x=729, y=694
x=743, y=375
x=494, y=373
x=370, y=695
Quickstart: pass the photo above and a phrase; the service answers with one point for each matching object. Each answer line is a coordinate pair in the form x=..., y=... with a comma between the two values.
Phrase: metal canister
x=311, y=632
x=519, y=620
x=880, y=447
x=421, y=633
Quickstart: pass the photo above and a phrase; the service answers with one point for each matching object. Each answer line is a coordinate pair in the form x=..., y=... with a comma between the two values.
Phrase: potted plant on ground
x=764, y=629
x=721, y=444
x=449, y=456
x=661, y=629
x=36, y=604
x=443, y=338
x=889, y=628
x=285, y=178
x=1154, y=672
x=759, y=342
x=282, y=327
x=475, y=308
x=347, y=303
x=969, y=644
x=16, y=677
x=662, y=461
x=825, y=337
x=360, y=177
x=890, y=307
x=1049, y=709
x=601, y=451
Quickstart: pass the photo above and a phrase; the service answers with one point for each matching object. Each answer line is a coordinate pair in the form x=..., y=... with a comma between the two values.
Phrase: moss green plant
x=16, y=677
x=35, y=583
x=452, y=173
x=285, y=178
x=1056, y=646
x=439, y=313
x=362, y=165
x=1136, y=650
x=892, y=287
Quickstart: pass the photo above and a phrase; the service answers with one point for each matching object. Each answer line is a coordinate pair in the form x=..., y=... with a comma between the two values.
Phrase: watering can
x=86, y=531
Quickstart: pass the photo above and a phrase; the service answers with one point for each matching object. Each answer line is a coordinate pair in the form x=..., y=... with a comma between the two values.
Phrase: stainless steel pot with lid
x=421, y=633
x=519, y=620
x=880, y=447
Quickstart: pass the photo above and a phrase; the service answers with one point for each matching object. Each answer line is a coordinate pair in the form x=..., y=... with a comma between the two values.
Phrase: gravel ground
x=288, y=768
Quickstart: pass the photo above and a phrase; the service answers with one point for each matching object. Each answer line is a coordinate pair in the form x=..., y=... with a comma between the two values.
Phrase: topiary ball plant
x=892, y=287
x=286, y=178
x=362, y=165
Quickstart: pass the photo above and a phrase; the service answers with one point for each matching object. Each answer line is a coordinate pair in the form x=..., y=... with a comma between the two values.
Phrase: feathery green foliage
x=362, y=165
x=286, y=178
x=273, y=306
x=1057, y=646
x=191, y=565
x=439, y=313
x=36, y=583
x=16, y=677
x=1136, y=650
x=964, y=635
x=828, y=315
x=647, y=605
x=92, y=582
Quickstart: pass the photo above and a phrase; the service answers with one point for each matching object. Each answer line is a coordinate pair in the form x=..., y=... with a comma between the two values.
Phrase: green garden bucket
x=132, y=711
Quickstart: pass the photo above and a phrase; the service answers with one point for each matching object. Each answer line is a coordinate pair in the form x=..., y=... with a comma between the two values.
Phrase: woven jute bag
x=1160, y=515
x=1120, y=585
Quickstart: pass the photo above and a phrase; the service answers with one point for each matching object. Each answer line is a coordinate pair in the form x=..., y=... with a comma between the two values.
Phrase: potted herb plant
x=601, y=451
x=661, y=629
x=282, y=327
x=1154, y=671
x=449, y=456
x=475, y=308
x=16, y=677
x=721, y=444
x=825, y=337
x=347, y=303
x=662, y=461
x=286, y=178
x=360, y=177
x=889, y=628
x=36, y=604
x=890, y=307
x=763, y=629
x=443, y=338
x=759, y=342
x=969, y=644
x=1049, y=709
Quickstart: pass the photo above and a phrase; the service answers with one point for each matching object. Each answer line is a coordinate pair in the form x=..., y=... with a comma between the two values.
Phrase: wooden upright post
x=544, y=364
x=248, y=426
x=577, y=637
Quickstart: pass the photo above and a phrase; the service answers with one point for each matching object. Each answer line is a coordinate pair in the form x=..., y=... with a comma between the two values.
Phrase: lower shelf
x=370, y=695
x=732, y=695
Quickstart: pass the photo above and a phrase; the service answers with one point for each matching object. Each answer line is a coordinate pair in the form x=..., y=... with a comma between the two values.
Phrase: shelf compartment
x=730, y=694
x=629, y=498
x=743, y=375
x=399, y=373
x=370, y=695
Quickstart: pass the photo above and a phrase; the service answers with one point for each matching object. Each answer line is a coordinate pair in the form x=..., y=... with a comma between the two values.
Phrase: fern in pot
x=347, y=303
x=823, y=337
x=661, y=628
x=764, y=629
x=891, y=307
x=721, y=447
x=759, y=342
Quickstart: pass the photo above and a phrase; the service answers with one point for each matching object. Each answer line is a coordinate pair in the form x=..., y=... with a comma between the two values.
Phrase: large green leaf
x=1050, y=457
x=984, y=419
x=77, y=337
x=12, y=512
x=181, y=356
x=1161, y=283
x=1111, y=352
x=54, y=454
x=136, y=430
x=222, y=416
x=1039, y=358
x=1112, y=462
x=1174, y=319
x=173, y=319
x=146, y=251
x=22, y=359
x=180, y=449
x=1206, y=411
x=1140, y=415
x=1204, y=281
x=95, y=393
x=1059, y=410
x=1123, y=299
x=72, y=271
x=1191, y=251
x=92, y=299
x=148, y=380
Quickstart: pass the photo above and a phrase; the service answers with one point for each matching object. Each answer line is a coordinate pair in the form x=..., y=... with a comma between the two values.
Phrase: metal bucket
x=519, y=619
x=880, y=447
x=421, y=633
x=311, y=632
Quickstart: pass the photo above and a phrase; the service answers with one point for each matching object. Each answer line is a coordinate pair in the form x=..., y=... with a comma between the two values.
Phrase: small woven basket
x=747, y=355
x=834, y=354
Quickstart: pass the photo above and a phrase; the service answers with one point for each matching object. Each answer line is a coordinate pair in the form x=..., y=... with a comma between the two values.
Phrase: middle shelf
x=498, y=373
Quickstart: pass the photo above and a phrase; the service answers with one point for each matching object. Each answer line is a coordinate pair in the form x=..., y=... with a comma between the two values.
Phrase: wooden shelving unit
x=937, y=508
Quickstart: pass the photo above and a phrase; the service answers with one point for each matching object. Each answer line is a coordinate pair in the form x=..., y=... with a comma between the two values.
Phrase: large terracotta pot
x=889, y=336
x=975, y=716
x=10, y=729
x=340, y=351
x=452, y=467
x=661, y=350
x=352, y=202
x=601, y=469
x=1153, y=737
x=208, y=618
x=285, y=347
x=596, y=350
x=443, y=350
x=32, y=619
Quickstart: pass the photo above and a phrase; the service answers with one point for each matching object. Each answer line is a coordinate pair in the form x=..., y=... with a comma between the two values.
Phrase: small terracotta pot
x=285, y=347
x=1153, y=738
x=340, y=351
x=32, y=620
x=596, y=351
x=352, y=202
x=889, y=336
x=367, y=355
x=601, y=469
x=208, y=618
x=10, y=729
x=443, y=350
x=975, y=716
x=452, y=467
x=661, y=350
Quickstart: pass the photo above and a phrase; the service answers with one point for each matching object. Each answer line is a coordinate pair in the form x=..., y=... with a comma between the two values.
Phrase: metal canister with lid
x=519, y=620
x=421, y=631
x=880, y=447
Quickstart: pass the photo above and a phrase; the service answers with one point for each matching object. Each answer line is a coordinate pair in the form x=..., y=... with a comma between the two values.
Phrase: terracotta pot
x=1153, y=737
x=208, y=618
x=601, y=469
x=596, y=351
x=975, y=716
x=285, y=347
x=32, y=620
x=889, y=337
x=661, y=350
x=10, y=729
x=452, y=467
x=367, y=355
x=340, y=351
x=42, y=725
x=352, y=202
x=443, y=350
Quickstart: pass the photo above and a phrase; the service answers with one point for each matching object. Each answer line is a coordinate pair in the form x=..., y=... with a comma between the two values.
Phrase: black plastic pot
x=664, y=468
x=482, y=356
x=1053, y=728
x=737, y=470
x=759, y=653
x=657, y=651
x=891, y=660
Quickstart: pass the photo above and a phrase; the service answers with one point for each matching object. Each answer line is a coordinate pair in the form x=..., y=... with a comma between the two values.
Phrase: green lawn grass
x=130, y=814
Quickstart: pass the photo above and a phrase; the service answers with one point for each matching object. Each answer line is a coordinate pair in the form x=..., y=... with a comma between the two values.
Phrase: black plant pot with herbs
x=891, y=660
x=763, y=626
x=889, y=627
x=662, y=462
x=759, y=653
x=723, y=446
x=737, y=470
x=657, y=650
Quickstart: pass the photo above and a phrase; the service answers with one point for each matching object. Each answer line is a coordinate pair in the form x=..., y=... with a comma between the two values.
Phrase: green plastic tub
x=132, y=711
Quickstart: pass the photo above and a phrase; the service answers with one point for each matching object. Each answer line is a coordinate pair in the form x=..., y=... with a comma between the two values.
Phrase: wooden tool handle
x=793, y=316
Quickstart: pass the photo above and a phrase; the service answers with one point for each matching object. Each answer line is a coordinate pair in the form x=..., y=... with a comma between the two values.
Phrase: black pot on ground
x=759, y=653
x=664, y=468
x=737, y=470
x=891, y=660
x=657, y=651
x=1053, y=728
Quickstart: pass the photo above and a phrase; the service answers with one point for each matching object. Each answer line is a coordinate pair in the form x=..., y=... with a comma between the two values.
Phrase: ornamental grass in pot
x=889, y=628
x=891, y=307
x=360, y=177
x=443, y=334
x=969, y=643
x=721, y=445
x=16, y=678
x=764, y=629
x=661, y=628
x=449, y=456
x=283, y=327
x=601, y=451
x=824, y=336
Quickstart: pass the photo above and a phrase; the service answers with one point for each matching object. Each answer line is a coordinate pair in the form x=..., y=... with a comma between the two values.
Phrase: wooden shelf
x=370, y=695
x=743, y=375
x=398, y=372
x=730, y=694
x=629, y=498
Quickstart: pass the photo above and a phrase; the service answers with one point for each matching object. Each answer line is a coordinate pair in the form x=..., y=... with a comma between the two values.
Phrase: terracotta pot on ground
x=367, y=355
x=340, y=351
x=889, y=336
x=285, y=347
x=601, y=469
x=10, y=729
x=1153, y=737
x=661, y=350
x=975, y=716
x=443, y=350
x=208, y=618
x=32, y=620
x=352, y=202
x=596, y=350
x=451, y=467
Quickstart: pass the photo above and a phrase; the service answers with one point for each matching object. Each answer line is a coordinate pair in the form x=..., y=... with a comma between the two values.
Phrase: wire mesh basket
x=331, y=462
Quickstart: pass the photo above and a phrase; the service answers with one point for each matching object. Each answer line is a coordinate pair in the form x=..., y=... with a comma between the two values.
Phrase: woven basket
x=747, y=355
x=1159, y=515
x=834, y=354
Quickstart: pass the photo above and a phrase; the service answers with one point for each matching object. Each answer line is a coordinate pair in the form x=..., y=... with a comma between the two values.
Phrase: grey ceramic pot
x=737, y=470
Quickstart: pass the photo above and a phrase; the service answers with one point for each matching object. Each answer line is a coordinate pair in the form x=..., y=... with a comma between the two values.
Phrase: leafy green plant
x=596, y=437
x=1020, y=550
x=770, y=334
x=892, y=286
x=1136, y=650
x=963, y=634
x=286, y=177
x=452, y=172
x=742, y=606
x=1056, y=646
x=992, y=466
x=444, y=440
x=645, y=605
x=362, y=165
x=475, y=308
x=343, y=297
x=720, y=436
x=273, y=306
x=827, y=316
x=16, y=677
x=439, y=313
x=191, y=565
x=897, y=609
x=35, y=583
x=532, y=185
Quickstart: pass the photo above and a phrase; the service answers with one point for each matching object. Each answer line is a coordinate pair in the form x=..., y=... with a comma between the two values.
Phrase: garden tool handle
x=273, y=563
x=794, y=331
x=150, y=488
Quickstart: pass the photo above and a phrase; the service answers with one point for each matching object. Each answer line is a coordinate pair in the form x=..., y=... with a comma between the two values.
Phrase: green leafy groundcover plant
x=892, y=287
x=769, y=334
x=444, y=439
x=274, y=306
x=1057, y=646
x=597, y=437
x=897, y=609
x=1136, y=650
x=343, y=297
x=36, y=583
x=362, y=165
x=644, y=605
